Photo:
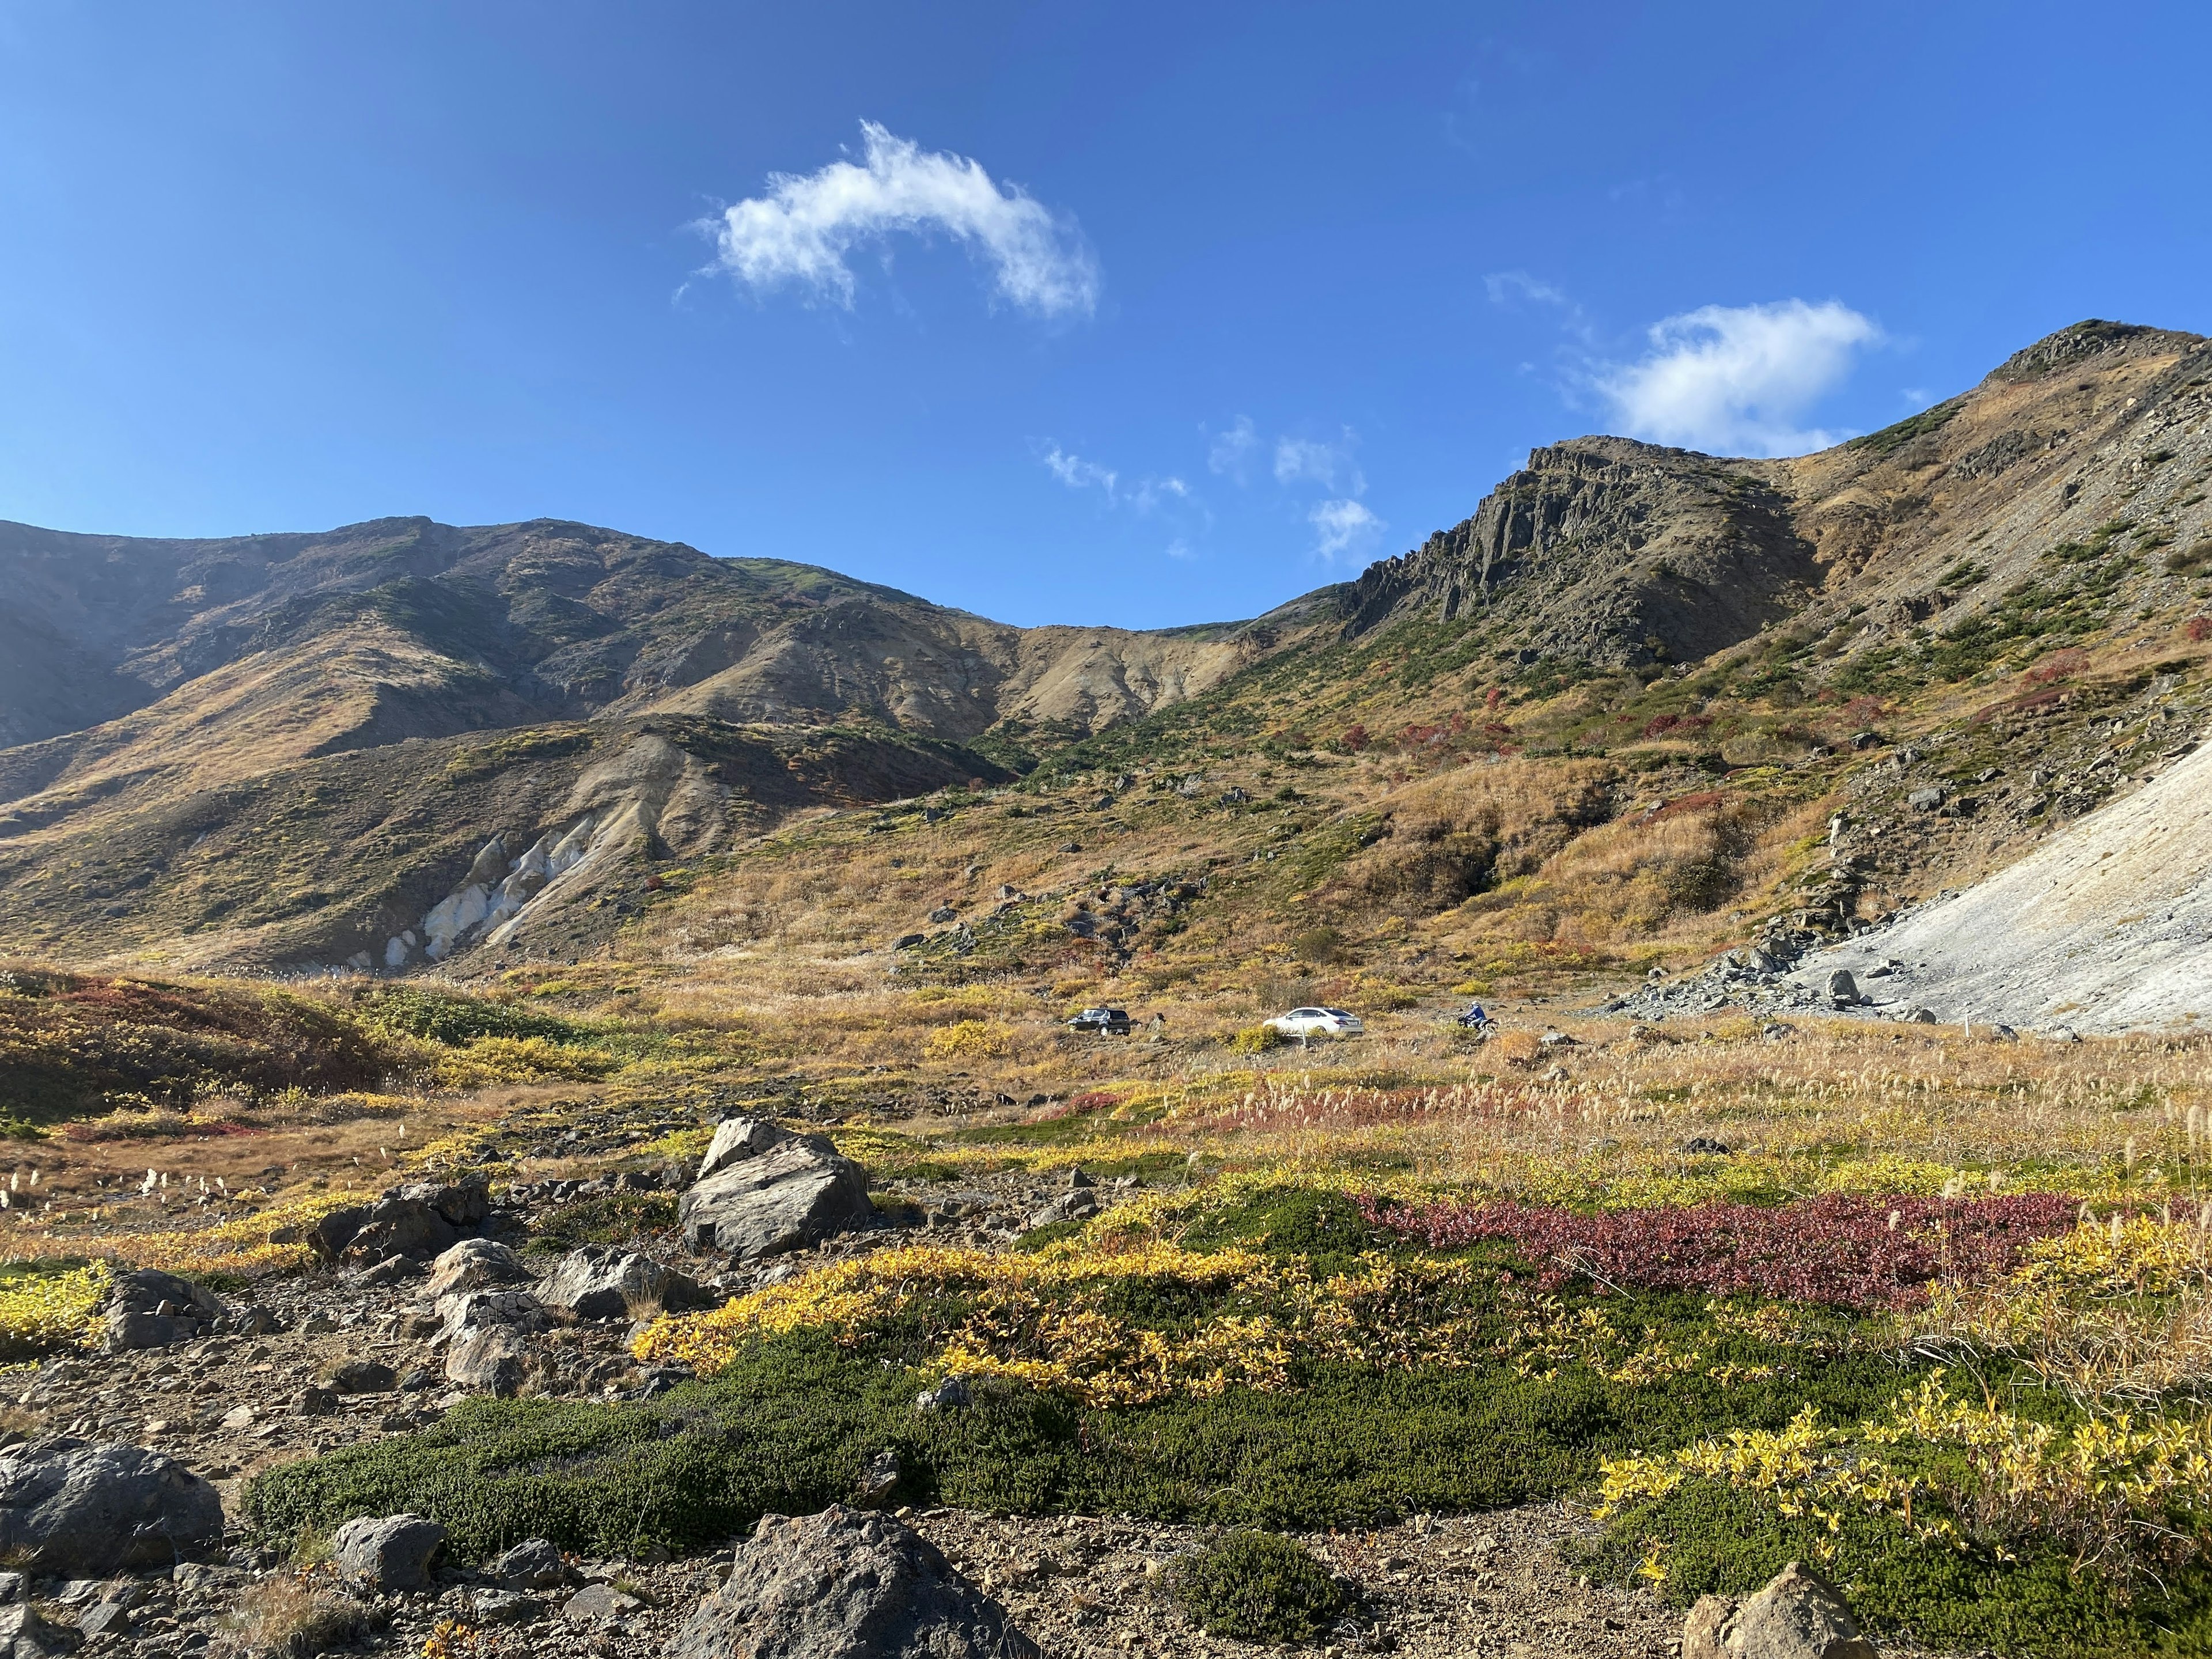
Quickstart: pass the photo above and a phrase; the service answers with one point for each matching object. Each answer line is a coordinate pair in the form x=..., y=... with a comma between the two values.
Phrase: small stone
x=948, y=1395
x=360, y=1377
x=534, y=1563
x=880, y=1478
x=105, y=1619
x=240, y=1417
x=317, y=1401
x=599, y=1604
x=500, y=1607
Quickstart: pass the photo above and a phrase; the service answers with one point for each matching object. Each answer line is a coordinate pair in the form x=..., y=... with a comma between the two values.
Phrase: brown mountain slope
x=2001, y=584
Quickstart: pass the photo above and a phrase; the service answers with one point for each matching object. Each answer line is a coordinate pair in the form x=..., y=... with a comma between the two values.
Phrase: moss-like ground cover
x=1265, y=1354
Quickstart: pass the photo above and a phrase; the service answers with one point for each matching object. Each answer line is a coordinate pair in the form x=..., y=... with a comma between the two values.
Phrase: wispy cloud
x=1230, y=452
x=1329, y=464
x=800, y=232
x=1343, y=526
x=1078, y=474
x=1738, y=380
x=1511, y=288
x=1146, y=496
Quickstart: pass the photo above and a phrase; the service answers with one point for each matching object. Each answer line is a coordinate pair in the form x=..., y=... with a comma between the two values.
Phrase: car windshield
x=1303, y=1013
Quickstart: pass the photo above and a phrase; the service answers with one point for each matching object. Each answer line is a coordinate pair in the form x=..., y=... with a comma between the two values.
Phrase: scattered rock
x=846, y=1583
x=389, y=1552
x=1798, y=1615
x=593, y=1283
x=67, y=1507
x=1705, y=1146
x=1842, y=989
x=599, y=1604
x=880, y=1479
x=420, y=1220
x=795, y=1193
x=149, y=1308
x=360, y=1377
x=105, y=1619
x=488, y=1338
x=316, y=1402
x=1068, y=1207
x=948, y=1395
x=534, y=1563
x=25, y=1635
x=390, y=1271
x=474, y=1264
x=1925, y=799
x=736, y=1139
x=501, y=1607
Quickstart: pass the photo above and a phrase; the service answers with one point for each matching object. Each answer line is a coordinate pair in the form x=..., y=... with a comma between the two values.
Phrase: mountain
x=402, y=743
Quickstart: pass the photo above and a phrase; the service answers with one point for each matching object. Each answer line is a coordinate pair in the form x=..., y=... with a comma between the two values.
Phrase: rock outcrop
x=795, y=1193
x=847, y=1584
x=72, y=1510
x=1610, y=551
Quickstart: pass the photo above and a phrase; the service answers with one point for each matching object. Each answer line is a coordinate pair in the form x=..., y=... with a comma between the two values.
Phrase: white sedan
x=1304, y=1023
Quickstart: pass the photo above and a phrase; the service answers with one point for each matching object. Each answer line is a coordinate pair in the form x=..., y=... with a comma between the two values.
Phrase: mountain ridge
x=1689, y=616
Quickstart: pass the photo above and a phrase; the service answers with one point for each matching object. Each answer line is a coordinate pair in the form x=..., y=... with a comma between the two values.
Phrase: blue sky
x=1132, y=314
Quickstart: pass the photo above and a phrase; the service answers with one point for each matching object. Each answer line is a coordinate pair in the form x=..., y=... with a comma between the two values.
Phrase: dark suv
x=1109, y=1022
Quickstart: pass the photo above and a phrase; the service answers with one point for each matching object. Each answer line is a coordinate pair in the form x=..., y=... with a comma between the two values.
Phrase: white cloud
x=1179, y=548
x=1297, y=459
x=1154, y=492
x=1343, y=526
x=1078, y=474
x=1736, y=380
x=1506, y=286
x=1230, y=452
x=801, y=231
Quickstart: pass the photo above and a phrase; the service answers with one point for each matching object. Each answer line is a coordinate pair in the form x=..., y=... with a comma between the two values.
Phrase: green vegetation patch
x=72, y=1043
x=1259, y=1587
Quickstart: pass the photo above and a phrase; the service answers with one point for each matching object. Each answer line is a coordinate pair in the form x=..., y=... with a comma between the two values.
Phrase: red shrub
x=1839, y=1249
x=2199, y=629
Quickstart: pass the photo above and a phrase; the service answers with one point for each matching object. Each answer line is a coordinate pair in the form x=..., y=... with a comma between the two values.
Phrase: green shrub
x=1259, y=1587
x=449, y=1017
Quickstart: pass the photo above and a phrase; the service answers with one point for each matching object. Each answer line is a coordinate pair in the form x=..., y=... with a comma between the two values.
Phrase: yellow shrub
x=971, y=1039
x=53, y=1310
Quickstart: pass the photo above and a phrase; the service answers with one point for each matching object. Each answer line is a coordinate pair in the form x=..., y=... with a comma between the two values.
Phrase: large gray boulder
x=474, y=1264
x=149, y=1308
x=595, y=1282
x=1798, y=1615
x=796, y=1193
x=421, y=1220
x=69, y=1510
x=846, y=1584
x=488, y=1338
x=389, y=1552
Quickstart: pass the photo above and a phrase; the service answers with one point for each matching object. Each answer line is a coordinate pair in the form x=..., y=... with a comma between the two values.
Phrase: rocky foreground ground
x=120, y=1484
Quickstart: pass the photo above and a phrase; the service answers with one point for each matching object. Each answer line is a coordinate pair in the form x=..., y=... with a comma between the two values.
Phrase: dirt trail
x=2105, y=927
